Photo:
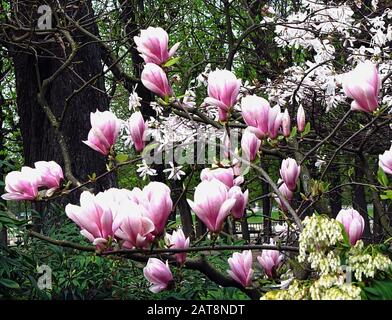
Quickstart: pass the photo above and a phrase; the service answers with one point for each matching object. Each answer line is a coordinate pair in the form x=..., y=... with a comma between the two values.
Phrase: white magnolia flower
x=280, y=228
x=175, y=172
x=134, y=100
x=156, y=107
x=144, y=170
x=189, y=99
x=319, y=163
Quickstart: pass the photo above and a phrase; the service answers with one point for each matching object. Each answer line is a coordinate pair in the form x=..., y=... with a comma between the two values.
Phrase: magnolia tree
x=312, y=255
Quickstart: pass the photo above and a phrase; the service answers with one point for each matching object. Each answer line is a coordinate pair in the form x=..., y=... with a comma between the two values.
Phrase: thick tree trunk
x=39, y=142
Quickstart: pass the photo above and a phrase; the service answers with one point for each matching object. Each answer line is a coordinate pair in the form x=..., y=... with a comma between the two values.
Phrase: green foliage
x=382, y=177
x=225, y=294
x=379, y=290
x=306, y=130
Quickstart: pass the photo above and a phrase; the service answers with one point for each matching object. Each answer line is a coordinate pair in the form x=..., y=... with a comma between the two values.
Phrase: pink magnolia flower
x=177, y=240
x=155, y=79
x=155, y=198
x=255, y=111
x=237, y=170
x=137, y=130
x=301, y=122
x=270, y=260
x=286, y=123
x=104, y=131
x=363, y=84
x=274, y=121
x=153, y=45
x=250, y=145
x=353, y=224
x=241, y=267
x=94, y=216
x=212, y=204
x=114, y=198
x=223, y=88
x=224, y=175
x=289, y=171
x=226, y=146
x=385, y=161
x=241, y=201
x=22, y=185
x=135, y=227
x=158, y=274
x=50, y=174
x=287, y=193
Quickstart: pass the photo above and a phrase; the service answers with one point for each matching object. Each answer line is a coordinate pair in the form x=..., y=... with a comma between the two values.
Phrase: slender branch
x=130, y=252
x=315, y=148
x=348, y=140
x=61, y=243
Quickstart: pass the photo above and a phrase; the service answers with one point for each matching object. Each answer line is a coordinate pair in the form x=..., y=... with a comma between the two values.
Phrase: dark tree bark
x=200, y=228
x=183, y=209
x=245, y=230
x=335, y=197
x=267, y=230
x=359, y=198
x=39, y=141
x=3, y=231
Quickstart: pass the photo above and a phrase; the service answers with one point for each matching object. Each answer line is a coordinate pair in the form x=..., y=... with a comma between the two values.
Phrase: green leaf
x=346, y=239
x=387, y=195
x=380, y=290
x=122, y=157
x=9, y=283
x=93, y=176
x=293, y=133
x=307, y=130
x=171, y=62
x=382, y=177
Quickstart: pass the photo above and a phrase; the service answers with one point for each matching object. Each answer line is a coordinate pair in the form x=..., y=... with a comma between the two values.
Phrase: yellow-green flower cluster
x=318, y=235
x=327, y=287
x=319, y=246
x=365, y=263
x=296, y=291
x=326, y=263
x=332, y=287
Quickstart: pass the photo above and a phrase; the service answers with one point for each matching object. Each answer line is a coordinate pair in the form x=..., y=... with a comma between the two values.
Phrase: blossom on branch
x=158, y=274
x=105, y=128
x=153, y=45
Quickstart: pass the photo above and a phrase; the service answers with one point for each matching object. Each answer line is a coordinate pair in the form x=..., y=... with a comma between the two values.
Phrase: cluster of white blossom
x=365, y=263
x=325, y=263
x=333, y=287
x=320, y=233
x=172, y=129
x=134, y=100
x=323, y=30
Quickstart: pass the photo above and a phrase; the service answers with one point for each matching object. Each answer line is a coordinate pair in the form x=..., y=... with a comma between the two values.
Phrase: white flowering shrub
x=338, y=267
